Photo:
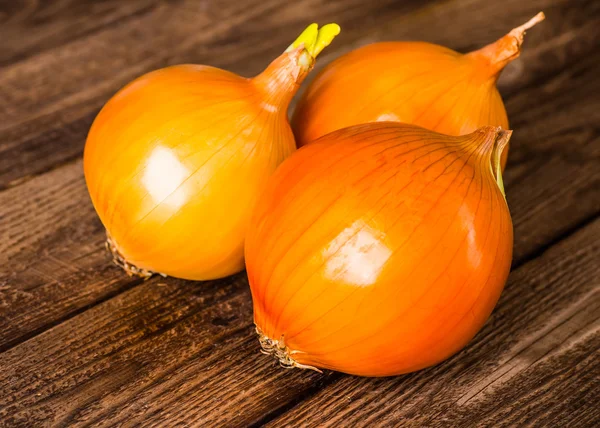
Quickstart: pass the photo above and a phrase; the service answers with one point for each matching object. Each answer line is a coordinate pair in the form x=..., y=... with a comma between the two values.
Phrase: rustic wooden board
x=554, y=177
x=44, y=116
x=52, y=240
x=185, y=352
x=44, y=124
x=85, y=344
x=32, y=27
x=53, y=259
x=58, y=265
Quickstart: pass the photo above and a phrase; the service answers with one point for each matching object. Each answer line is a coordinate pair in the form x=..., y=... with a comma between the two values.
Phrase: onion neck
x=495, y=56
x=491, y=141
x=280, y=81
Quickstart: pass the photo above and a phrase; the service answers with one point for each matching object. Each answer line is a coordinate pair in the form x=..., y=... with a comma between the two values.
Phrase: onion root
x=120, y=261
x=281, y=352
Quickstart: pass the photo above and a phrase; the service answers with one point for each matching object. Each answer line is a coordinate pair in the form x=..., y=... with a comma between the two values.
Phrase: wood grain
x=552, y=185
x=53, y=259
x=124, y=343
x=186, y=353
x=553, y=178
x=52, y=240
x=44, y=120
x=35, y=26
x=44, y=123
x=85, y=345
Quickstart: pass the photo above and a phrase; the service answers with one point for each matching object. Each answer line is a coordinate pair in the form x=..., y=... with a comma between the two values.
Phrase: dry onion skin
x=174, y=161
x=412, y=82
x=380, y=249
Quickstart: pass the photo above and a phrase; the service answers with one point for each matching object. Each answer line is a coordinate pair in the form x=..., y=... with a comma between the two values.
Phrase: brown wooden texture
x=50, y=99
x=44, y=291
x=85, y=344
x=57, y=266
x=35, y=26
x=175, y=352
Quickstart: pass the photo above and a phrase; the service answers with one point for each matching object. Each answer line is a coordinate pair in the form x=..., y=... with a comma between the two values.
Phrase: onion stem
x=500, y=142
x=519, y=32
x=507, y=48
x=314, y=39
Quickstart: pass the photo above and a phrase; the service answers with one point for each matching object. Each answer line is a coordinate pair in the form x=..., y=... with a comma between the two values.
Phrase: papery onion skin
x=174, y=162
x=380, y=249
x=412, y=82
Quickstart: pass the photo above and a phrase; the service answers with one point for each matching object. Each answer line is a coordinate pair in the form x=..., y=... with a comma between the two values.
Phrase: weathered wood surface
x=49, y=100
x=173, y=352
x=34, y=26
x=84, y=343
x=57, y=266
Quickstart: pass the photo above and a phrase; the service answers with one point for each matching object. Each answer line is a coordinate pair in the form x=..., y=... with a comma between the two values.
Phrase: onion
x=380, y=249
x=175, y=160
x=413, y=82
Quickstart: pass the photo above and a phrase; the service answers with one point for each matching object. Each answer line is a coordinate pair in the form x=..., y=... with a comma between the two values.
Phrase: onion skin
x=412, y=82
x=174, y=162
x=380, y=249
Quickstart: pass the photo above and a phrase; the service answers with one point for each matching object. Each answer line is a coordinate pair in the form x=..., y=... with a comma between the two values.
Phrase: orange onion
x=412, y=82
x=380, y=249
x=176, y=159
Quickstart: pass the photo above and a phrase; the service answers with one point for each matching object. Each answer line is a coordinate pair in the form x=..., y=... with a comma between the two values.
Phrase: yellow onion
x=175, y=160
x=412, y=82
x=380, y=249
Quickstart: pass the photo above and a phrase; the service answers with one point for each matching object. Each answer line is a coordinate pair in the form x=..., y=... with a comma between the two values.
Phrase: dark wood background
x=83, y=344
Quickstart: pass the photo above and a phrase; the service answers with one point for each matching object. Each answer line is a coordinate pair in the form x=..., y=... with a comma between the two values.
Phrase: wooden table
x=83, y=344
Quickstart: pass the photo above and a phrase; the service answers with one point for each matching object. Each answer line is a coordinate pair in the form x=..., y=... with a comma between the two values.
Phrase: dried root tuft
x=281, y=352
x=120, y=261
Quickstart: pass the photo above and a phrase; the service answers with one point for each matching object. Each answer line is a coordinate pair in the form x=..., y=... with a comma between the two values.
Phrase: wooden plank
x=52, y=247
x=45, y=127
x=263, y=387
x=44, y=117
x=186, y=353
x=30, y=27
x=52, y=255
x=176, y=319
x=54, y=241
x=535, y=362
x=556, y=139
x=154, y=369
